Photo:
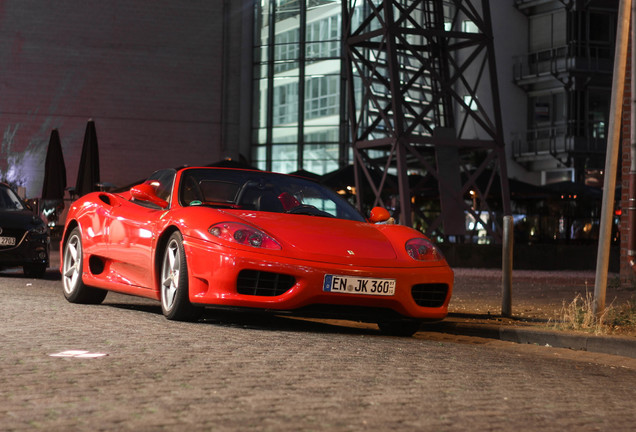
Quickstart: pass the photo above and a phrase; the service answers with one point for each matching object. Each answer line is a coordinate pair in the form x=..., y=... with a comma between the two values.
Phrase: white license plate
x=357, y=285
x=7, y=241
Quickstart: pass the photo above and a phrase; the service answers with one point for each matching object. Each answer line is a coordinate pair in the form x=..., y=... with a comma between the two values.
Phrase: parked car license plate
x=357, y=285
x=7, y=241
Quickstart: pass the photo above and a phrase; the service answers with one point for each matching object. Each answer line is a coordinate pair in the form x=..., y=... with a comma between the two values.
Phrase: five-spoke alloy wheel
x=175, y=303
x=74, y=289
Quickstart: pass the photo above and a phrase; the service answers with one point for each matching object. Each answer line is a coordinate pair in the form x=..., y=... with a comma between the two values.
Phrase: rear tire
x=74, y=289
x=404, y=328
x=175, y=301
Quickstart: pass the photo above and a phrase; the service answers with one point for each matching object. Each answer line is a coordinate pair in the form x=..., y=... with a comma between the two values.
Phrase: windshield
x=9, y=200
x=261, y=191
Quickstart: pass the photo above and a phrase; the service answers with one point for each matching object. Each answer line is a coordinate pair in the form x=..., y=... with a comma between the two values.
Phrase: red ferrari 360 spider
x=214, y=237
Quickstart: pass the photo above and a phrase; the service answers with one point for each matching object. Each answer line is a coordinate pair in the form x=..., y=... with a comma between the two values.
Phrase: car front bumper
x=214, y=271
x=30, y=250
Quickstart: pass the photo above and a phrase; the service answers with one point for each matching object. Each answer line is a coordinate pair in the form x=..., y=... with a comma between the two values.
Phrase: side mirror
x=146, y=192
x=380, y=215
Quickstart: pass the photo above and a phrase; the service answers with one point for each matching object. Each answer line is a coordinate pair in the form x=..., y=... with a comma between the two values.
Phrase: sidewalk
x=538, y=298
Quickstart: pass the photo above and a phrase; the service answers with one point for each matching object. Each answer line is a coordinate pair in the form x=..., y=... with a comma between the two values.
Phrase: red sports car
x=214, y=237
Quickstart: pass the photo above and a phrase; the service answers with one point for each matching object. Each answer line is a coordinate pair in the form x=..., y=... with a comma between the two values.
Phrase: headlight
x=421, y=249
x=243, y=234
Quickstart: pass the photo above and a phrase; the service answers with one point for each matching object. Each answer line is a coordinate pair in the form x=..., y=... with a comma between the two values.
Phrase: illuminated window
x=470, y=102
x=297, y=85
x=469, y=27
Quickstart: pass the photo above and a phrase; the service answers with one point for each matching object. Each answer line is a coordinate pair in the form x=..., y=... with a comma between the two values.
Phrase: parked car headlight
x=421, y=249
x=243, y=234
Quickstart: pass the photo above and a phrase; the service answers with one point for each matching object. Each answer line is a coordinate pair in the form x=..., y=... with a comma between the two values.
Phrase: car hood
x=324, y=239
x=17, y=219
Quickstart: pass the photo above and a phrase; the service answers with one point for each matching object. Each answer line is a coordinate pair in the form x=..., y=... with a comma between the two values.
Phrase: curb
x=615, y=345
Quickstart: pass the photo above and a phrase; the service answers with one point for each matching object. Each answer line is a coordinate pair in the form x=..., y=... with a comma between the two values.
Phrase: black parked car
x=24, y=237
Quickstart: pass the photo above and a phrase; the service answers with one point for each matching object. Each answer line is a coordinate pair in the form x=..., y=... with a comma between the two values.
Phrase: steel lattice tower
x=423, y=99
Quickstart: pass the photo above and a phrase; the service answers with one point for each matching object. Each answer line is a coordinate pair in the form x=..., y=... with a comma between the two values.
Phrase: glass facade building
x=298, y=121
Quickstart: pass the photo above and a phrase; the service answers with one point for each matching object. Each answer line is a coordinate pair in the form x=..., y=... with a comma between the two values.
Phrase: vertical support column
x=494, y=87
x=302, y=41
x=506, y=264
x=397, y=106
x=270, y=85
x=450, y=185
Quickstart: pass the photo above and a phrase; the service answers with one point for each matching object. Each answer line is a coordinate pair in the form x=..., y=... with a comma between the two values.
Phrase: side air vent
x=105, y=199
x=429, y=295
x=96, y=264
x=260, y=283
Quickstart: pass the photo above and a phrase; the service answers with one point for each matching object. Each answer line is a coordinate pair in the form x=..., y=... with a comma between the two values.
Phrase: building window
x=470, y=102
x=469, y=27
x=323, y=38
x=322, y=96
x=600, y=27
x=286, y=51
x=297, y=85
x=286, y=103
x=548, y=31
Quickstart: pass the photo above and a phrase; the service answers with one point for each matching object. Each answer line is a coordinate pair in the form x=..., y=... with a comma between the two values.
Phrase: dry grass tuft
x=579, y=315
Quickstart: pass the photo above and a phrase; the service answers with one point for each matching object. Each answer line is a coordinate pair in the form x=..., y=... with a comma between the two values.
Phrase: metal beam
x=413, y=68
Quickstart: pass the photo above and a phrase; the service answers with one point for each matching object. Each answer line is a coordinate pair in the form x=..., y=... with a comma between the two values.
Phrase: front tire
x=74, y=289
x=175, y=301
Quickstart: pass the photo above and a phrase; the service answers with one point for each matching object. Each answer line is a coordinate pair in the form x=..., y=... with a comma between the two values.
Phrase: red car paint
x=123, y=239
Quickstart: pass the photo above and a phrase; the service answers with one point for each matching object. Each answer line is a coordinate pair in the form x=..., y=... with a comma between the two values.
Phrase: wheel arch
x=162, y=243
x=70, y=226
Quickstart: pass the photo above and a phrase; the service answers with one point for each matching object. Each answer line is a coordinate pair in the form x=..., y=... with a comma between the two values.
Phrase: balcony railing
x=540, y=141
x=567, y=58
x=557, y=139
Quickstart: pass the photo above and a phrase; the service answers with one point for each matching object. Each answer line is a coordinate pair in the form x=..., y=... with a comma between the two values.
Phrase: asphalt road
x=132, y=369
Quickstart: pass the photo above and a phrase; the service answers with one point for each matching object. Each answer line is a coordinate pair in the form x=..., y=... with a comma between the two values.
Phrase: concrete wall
x=510, y=32
x=149, y=72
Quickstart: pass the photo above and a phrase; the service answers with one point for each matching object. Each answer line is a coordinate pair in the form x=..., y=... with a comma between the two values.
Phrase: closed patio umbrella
x=88, y=173
x=54, y=170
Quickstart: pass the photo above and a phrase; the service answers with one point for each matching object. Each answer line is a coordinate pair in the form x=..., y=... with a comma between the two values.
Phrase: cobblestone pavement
x=237, y=372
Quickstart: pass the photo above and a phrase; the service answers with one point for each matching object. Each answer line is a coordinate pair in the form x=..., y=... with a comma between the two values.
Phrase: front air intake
x=429, y=295
x=260, y=283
